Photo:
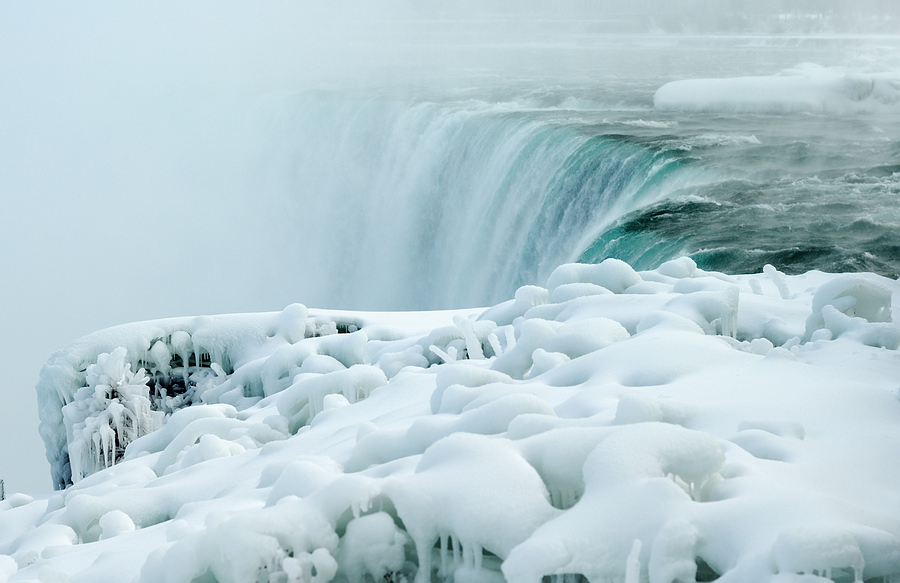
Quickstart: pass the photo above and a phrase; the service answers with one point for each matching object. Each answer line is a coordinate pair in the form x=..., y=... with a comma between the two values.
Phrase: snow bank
x=667, y=425
x=807, y=87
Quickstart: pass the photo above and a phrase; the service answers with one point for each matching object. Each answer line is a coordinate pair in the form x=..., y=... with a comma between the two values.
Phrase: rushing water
x=430, y=195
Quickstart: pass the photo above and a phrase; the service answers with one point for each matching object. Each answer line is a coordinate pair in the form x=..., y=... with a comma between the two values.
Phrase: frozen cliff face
x=109, y=413
x=92, y=405
x=662, y=426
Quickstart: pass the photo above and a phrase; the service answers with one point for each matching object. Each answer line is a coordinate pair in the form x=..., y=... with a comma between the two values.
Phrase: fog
x=130, y=154
x=125, y=198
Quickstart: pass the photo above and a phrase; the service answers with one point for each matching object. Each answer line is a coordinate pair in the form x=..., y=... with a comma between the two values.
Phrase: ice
x=472, y=377
x=287, y=541
x=804, y=88
x=8, y=568
x=779, y=280
x=527, y=297
x=659, y=426
x=114, y=523
x=681, y=268
x=544, y=361
x=576, y=339
x=305, y=399
x=714, y=311
x=570, y=291
x=612, y=274
x=112, y=411
x=779, y=427
x=372, y=545
x=636, y=407
x=650, y=450
x=764, y=445
x=533, y=333
x=633, y=563
x=672, y=556
x=302, y=477
x=853, y=305
x=177, y=424
x=444, y=497
x=16, y=500
x=818, y=551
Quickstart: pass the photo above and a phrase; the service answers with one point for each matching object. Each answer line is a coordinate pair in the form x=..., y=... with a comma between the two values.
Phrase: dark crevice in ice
x=705, y=572
x=565, y=578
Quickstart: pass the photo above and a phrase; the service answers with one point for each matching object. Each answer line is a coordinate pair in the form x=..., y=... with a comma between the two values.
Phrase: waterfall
x=395, y=203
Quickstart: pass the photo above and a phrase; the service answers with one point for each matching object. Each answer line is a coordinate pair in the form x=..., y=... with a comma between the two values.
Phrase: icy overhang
x=175, y=354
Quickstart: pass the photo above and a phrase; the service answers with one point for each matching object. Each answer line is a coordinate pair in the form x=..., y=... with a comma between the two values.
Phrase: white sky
x=123, y=198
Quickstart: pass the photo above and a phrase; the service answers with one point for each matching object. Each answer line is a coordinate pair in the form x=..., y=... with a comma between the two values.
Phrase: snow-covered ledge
x=176, y=354
x=667, y=425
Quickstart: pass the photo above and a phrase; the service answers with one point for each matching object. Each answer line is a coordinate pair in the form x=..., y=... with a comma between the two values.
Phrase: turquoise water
x=818, y=194
x=457, y=186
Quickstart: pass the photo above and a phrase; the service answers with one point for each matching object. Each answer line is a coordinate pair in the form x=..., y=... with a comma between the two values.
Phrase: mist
x=127, y=179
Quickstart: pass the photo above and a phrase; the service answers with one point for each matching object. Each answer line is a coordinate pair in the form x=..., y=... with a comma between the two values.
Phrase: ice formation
x=807, y=88
x=661, y=426
x=108, y=414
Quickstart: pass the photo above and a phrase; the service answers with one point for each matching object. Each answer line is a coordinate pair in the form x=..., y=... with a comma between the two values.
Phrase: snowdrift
x=805, y=88
x=661, y=426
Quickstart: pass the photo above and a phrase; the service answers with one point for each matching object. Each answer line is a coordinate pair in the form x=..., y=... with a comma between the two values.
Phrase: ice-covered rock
x=853, y=305
x=662, y=426
x=372, y=545
x=8, y=568
x=818, y=551
x=805, y=88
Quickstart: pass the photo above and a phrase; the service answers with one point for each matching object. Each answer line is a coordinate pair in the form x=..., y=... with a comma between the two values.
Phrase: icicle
x=510, y=338
x=423, y=551
x=779, y=280
x=97, y=450
x=473, y=345
x=468, y=555
x=633, y=563
x=444, y=542
x=198, y=352
x=108, y=438
x=495, y=344
x=443, y=355
x=568, y=498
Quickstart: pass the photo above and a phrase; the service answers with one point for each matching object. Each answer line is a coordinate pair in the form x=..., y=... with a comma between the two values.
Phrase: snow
x=615, y=425
x=805, y=88
x=372, y=544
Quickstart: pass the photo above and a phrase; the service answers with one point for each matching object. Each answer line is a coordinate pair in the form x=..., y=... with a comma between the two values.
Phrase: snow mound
x=667, y=425
x=807, y=87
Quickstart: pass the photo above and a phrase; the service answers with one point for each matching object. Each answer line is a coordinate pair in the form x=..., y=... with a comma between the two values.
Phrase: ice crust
x=804, y=88
x=658, y=426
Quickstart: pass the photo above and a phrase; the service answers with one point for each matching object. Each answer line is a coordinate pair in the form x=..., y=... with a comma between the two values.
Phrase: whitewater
x=504, y=300
x=499, y=189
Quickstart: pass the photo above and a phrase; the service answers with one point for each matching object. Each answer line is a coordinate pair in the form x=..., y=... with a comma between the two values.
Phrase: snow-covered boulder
x=666, y=425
